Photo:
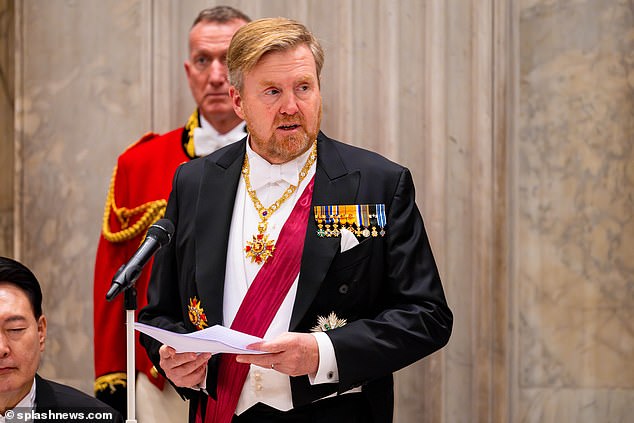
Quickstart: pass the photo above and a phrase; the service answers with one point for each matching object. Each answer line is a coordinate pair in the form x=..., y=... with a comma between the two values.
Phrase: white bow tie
x=274, y=174
x=206, y=141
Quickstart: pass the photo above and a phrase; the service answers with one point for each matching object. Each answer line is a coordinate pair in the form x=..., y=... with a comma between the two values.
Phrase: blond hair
x=263, y=36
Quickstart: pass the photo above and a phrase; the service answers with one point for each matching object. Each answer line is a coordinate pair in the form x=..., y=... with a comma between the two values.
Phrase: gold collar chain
x=260, y=248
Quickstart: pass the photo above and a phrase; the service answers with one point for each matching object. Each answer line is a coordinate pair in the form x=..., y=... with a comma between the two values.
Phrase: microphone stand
x=158, y=234
x=130, y=303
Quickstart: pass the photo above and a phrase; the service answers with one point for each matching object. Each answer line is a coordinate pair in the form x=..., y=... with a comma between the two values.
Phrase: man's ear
x=236, y=101
x=41, y=331
x=187, y=69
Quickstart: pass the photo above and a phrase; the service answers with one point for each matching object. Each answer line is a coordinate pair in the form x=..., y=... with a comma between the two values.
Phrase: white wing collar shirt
x=207, y=139
x=269, y=182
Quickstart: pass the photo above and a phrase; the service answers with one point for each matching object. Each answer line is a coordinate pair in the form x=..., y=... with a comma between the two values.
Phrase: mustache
x=289, y=121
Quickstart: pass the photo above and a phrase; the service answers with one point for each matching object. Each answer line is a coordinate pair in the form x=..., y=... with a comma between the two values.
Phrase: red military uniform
x=140, y=185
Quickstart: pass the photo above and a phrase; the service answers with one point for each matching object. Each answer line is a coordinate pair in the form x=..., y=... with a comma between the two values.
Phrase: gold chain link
x=266, y=212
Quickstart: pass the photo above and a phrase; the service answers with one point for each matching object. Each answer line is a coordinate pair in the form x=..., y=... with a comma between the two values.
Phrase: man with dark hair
x=22, y=337
x=137, y=196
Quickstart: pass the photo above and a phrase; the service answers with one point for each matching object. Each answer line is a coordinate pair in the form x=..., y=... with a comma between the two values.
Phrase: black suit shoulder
x=379, y=177
x=362, y=158
x=56, y=397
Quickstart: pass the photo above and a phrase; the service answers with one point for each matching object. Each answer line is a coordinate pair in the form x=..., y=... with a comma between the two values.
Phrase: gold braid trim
x=152, y=211
x=111, y=381
x=192, y=123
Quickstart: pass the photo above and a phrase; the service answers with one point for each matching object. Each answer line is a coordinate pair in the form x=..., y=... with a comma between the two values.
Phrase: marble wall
x=82, y=98
x=574, y=267
x=7, y=146
x=515, y=118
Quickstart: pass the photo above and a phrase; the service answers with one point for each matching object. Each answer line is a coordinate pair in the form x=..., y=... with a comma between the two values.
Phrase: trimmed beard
x=284, y=150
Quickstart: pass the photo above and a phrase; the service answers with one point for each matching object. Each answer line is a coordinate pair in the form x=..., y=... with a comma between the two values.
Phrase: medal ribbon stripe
x=364, y=220
x=381, y=219
x=373, y=220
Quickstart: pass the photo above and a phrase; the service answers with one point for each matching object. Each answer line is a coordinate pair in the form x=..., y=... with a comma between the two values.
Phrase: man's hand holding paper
x=184, y=356
x=294, y=354
x=216, y=339
x=184, y=369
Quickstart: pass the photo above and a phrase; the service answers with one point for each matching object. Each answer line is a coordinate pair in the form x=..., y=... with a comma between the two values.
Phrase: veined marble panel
x=575, y=232
x=84, y=97
x=575, y=405
x=7, y=95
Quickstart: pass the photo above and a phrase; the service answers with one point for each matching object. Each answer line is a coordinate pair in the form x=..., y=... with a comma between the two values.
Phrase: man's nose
x=4, y=346
x=217, y=73
x=289, y=104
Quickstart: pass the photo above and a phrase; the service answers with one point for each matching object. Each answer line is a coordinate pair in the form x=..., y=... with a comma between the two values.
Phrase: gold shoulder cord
x=192, y=123
x=110, y=381
x=151, y=212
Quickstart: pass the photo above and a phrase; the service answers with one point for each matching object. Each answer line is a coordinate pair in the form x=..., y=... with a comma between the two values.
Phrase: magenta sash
x=262, y=301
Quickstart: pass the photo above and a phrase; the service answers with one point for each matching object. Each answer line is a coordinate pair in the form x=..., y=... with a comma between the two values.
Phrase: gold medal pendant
x=260, y=248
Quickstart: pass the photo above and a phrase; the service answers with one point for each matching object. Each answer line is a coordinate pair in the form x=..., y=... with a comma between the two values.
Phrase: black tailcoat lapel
x=334, y=184
x=216, y=198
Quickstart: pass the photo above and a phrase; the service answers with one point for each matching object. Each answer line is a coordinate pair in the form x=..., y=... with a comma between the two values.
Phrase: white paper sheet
x=216, y=339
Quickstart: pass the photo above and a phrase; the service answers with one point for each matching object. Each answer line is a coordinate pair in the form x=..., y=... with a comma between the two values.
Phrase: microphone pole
x=158, y=235
x=130, y=303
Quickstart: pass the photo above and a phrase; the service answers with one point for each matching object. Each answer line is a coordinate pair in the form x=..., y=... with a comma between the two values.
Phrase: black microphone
x=158, y=235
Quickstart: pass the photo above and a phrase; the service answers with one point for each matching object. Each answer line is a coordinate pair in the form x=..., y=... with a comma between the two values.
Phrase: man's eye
x=16, y=330
x=201, y=61
x=272, y=91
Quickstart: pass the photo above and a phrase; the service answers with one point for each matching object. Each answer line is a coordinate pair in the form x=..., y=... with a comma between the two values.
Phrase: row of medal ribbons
x=363, y=220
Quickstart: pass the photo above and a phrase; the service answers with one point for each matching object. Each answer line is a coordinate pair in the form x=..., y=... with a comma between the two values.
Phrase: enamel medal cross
x=260, y=248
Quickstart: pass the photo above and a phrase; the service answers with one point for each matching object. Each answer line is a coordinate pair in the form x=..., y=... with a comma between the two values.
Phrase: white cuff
x=327, y=372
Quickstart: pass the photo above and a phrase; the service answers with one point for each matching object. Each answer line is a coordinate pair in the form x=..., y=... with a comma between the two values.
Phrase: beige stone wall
x=84, y=72
x=7, y=147
x=574, y=228
x=514, y=117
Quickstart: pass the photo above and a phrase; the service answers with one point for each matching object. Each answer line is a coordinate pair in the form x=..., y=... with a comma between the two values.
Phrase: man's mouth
x=288, y=127
x=215, y=95
x=4, y=370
